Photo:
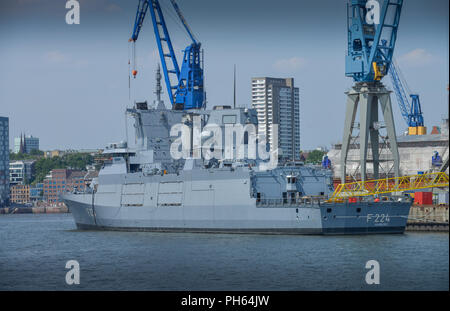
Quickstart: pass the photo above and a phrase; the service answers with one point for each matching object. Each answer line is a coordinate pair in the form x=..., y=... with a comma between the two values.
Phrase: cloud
x=27, y=2
x=56, y=57
x=112, y=7
x=81, y=62
x=292, y=64
x=416, y=58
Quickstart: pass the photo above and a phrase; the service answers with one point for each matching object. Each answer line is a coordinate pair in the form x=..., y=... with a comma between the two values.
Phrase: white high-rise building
x=277, y=102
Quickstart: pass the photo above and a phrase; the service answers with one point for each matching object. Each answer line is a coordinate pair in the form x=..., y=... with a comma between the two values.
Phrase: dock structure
x=416, y=152
x=429, y=218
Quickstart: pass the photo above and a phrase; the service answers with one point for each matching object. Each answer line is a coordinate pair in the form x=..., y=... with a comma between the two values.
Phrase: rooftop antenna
x=234, y=88
x=159, y=103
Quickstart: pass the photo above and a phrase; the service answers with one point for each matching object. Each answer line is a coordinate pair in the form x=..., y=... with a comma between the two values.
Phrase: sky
x=68, y=84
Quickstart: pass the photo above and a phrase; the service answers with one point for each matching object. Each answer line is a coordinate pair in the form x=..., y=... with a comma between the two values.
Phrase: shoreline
x=427, y=227
x=34, y=210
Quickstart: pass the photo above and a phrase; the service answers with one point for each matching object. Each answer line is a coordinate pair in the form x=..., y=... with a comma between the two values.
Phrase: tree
x=43, y=166
x=36, y=152
x=315, y=157
x=75, y=161
x=20, y=156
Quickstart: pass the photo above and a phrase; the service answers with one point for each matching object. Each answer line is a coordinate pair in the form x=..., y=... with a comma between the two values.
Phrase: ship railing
x=86, y=190
x=269, y=201
x=290, y=202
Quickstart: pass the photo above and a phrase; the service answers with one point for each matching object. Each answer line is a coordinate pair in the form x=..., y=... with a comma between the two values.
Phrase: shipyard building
x=277, y=102
x=4, y=161
x=417, y=154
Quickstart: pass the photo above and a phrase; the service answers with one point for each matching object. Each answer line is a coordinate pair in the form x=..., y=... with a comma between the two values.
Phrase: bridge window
x=357, y=45
x=229, y=119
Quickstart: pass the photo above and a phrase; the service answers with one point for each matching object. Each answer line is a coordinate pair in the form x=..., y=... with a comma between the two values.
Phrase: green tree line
x=315, y=156
x=43, y=166
x=75, y=161
x=33, y=155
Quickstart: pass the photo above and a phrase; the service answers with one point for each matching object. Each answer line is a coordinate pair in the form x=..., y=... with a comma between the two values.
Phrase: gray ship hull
x=328, y=219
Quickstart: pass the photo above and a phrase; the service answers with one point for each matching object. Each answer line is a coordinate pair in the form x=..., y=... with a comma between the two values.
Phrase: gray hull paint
x=331, y=219
x=364, y=217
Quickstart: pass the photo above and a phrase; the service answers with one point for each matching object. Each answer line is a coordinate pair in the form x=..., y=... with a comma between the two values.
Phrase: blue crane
x=368, y=59
x=372, y=34
x=188, y=91
x=411, y=112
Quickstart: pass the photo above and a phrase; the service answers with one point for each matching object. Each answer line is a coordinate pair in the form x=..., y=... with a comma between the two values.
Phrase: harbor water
x=35, y=248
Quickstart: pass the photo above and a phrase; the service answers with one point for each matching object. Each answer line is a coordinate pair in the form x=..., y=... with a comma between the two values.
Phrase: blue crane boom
x=183, y=20
x=367, y=59
x=415, y=116
x=411, y=112
x=188, y=91
x=399, y=90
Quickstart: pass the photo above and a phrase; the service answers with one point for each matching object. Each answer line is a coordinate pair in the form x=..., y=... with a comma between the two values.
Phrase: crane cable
x=167, y=11
x=132, y=64
x=129, y=75
x=402, y=77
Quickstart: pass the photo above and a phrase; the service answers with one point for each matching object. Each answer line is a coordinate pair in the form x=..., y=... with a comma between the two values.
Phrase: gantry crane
x=188, y=90
x=367, y=61
x=411, y=112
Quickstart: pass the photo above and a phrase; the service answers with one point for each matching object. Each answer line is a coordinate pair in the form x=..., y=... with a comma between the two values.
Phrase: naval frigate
x=146, y=188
